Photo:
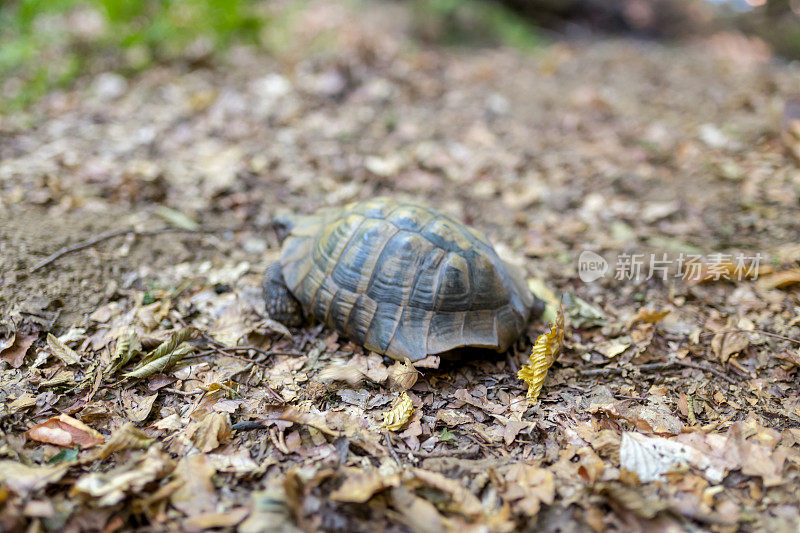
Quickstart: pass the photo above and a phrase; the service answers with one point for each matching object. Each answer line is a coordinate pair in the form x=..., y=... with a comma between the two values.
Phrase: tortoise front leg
x=281, y=304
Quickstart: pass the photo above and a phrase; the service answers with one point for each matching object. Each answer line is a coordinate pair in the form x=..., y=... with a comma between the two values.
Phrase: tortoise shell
x=404, y=280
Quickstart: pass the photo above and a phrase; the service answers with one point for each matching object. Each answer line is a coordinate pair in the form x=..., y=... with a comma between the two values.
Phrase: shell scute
x=454, y=292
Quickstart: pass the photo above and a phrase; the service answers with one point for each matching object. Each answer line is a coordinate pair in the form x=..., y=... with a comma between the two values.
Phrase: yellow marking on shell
x=308, y=226
x=372, y=260
x=351, y=222
x=407, y=211
x=449, y=230
x=479, y=235
x=543, y=354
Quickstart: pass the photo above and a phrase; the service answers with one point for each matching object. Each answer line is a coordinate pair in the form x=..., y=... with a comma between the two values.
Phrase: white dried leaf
x=651, y=457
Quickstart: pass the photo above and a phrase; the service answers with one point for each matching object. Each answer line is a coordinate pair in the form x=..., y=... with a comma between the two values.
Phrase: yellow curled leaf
x=543, y=354
x=398, y=416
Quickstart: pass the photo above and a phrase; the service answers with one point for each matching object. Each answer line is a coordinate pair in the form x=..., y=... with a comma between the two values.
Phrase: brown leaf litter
x=142, y=385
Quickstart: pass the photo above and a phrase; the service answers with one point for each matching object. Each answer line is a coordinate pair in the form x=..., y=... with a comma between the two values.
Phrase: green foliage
x=473, y=22
x=446, y=435
x=45, y=44
x=65, y=456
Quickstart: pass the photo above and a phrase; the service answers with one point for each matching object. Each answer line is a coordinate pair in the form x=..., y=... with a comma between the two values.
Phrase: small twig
x=390, y=446
x=226, y=353
x=261, y=351
x=108, y=235
x=470, y=452
x=218, y=346
x=648, y=367
x=197, y=355
x=705, y=368
x=626, y=397
x=229, y=390
x=249, y=425
x=183, y=392
x=757, y=331
x=507, y=386
x=652, y=367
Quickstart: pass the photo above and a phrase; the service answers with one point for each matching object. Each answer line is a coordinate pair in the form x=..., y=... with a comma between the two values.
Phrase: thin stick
x=108, y=235
x=250, y=425
x=757, y=331
x=81, y=246
x=648, y=367
x=652, y=367
x=390, y=446
x=183, y=392
x=223, y=348
x=705, y=368
x=468, y=453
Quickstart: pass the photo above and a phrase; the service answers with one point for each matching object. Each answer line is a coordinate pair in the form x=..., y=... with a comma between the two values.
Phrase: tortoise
x=400, y=279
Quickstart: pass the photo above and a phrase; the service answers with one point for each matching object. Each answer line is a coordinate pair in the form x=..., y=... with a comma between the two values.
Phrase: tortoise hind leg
x=281, y=304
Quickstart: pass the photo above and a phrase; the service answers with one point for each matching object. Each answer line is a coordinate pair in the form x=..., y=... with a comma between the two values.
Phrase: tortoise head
x=283, y=225
x=531, y=305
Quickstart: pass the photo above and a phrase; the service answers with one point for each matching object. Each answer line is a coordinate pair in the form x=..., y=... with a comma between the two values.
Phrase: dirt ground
x=612, y=146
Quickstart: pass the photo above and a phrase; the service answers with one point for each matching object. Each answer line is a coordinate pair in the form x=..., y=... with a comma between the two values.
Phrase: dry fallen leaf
x=67, y=355
x=160, y=364
x=213, y=429
x=137, y=408
x=127, y=347
x=529, y=487
x=398, y=416
x=544, y=293
x=646, y=315
x=360, y=486
x=461, y=499
x=8, y=332
x=196, y=493
x=231, y=327
x=24, y=401
x=780, y=280
x=169, y=346
x=23, y=479
x=111, y=487
x=418, y=514
x=727, y=343
x=612, y=348
x=402, y=376
x=651, y=457
x=65, y=431
x=790, y=357
x=125, y=438
x=346, y=373
x=213, y=520
x=655, y=417
x=543, y=354
x=14, y=355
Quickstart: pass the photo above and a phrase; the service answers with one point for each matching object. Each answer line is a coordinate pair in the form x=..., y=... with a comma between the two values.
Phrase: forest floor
x=674, y=405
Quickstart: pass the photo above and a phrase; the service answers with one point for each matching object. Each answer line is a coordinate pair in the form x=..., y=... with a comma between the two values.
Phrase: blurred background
x=48, y=44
